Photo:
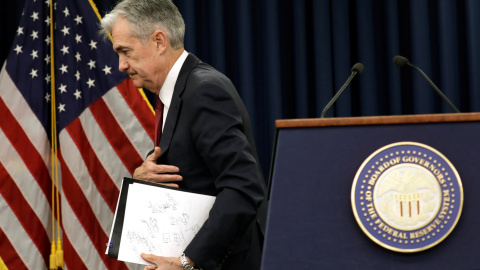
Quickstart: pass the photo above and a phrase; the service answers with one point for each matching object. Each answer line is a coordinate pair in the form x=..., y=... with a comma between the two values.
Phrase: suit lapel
x=174, y=109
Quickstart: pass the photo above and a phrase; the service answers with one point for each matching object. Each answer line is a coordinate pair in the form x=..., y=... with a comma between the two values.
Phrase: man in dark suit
x=206, y=145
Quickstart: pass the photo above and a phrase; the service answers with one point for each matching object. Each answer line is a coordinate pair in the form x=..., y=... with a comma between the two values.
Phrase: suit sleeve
x=218, y=131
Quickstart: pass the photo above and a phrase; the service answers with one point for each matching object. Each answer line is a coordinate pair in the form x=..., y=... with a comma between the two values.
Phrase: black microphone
x=356, y=69
x=402, y=62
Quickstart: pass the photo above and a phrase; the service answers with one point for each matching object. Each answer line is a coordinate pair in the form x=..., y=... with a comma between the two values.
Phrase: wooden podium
x=311, y=224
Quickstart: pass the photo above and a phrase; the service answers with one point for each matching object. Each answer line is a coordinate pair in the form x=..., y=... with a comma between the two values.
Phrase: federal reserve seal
x=407, y=197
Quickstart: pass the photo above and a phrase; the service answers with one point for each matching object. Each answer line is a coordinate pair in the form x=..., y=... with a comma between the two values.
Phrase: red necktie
x=158, y=121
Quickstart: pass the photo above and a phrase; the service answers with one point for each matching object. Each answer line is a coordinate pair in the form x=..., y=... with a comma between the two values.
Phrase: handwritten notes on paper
x=160, y=221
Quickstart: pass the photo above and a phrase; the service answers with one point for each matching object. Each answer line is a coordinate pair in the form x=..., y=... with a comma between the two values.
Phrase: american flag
x=104, y=125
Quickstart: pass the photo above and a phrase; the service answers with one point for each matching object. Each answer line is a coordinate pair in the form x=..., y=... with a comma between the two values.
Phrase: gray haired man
x=206, y=143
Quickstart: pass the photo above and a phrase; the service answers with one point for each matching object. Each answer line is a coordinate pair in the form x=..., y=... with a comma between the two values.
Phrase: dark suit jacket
x=207, y=134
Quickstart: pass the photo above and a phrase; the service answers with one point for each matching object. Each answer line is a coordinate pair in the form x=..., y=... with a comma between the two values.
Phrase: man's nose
x=122, y=64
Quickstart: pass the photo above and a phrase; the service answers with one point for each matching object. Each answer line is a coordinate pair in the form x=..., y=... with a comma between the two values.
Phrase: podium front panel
x=311, y=224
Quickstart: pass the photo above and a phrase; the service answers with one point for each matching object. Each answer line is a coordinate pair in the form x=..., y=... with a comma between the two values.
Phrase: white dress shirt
x=166, y=92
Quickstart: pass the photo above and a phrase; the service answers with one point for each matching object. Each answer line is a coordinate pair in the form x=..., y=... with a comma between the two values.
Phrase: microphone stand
x=356, y=69
x=434, y=87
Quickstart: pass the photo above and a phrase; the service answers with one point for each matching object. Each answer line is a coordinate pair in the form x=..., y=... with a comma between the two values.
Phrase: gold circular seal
x=407, y=197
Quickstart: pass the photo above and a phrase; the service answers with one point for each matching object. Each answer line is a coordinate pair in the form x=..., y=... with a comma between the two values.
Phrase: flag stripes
x=79, y=207
x=125, y=151
x=81, y=244
x=98, y=140
x=24, y=116
x=70, y=255
x=22, y=186
x=23, y=147
x=9, y=255
x=14, y=169
x=106, y=188
x=27, y=218
x=144, y=114
x=140, y=130
x=105, y=169
x=22, y=245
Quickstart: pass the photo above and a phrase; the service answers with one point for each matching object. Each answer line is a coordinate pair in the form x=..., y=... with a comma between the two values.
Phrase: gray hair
x=145, y=17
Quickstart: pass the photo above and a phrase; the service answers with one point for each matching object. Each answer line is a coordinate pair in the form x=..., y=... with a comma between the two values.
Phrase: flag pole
x=53, y=258
x=56, y=255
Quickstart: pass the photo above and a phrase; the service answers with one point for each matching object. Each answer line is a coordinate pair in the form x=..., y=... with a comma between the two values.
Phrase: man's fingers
x=164, y=178
x=157, y=173
x=157, y=152
x=166, y=169
x=169, y=185
x=161, y=262
x=147, y=257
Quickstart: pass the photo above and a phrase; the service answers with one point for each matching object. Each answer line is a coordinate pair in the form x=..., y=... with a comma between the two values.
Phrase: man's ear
x=160, y=39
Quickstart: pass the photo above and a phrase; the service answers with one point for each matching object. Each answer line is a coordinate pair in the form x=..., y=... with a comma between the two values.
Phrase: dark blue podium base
x=311, y=224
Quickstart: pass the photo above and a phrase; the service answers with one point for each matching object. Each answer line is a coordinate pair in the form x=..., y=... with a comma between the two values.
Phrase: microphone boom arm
x=434, y=87
x=338, y=93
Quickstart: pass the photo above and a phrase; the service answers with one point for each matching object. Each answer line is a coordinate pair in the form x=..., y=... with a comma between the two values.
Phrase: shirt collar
x=166, y=92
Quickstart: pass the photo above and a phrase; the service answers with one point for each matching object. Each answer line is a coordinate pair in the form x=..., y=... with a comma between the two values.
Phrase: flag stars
x=34, y=35
x=62, y=88
x=48, y=78
x=18, y=49
x=66, y=12
x=107, y=70
x=65, y=30
x=47, y=97
x=33, y=73
x=47, y=59
x=78, y=38
x=77, y=75
x=61, y=107
x=34, y=54
x=64, y=49
x=78, y=56
x=78, y=94
x=93, y=44
x=47, y=21
x=19, y=31
x=78, y=19
x=47, y=40
x=64, y=69
x=34, y=16
x=91, y=83
x=91, y=64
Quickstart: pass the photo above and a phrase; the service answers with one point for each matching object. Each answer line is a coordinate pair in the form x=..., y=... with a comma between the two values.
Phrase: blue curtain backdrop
x=287, y=58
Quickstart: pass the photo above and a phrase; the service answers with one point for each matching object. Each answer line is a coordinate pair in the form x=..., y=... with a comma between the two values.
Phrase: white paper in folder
x=160, y=221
